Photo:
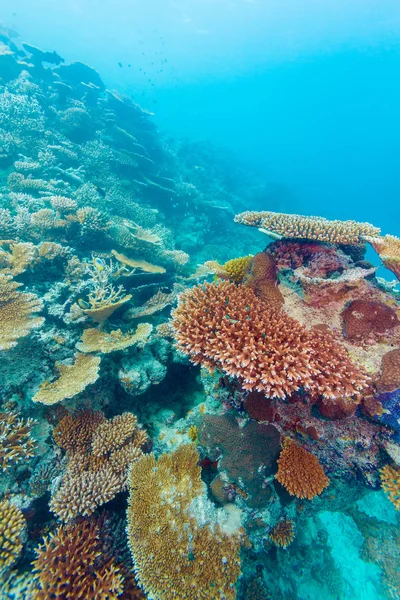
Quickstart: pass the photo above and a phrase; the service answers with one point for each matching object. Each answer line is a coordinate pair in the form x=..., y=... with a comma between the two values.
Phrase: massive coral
x=227, y=327
x=176, y=552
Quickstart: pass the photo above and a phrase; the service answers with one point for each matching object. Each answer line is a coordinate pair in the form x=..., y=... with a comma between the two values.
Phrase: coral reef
x=282, y=534
x=300, y=472
x=12, y=525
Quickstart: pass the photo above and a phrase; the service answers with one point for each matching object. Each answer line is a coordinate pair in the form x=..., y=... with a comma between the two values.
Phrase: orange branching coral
x=71, y=565
x=309, y=228
x=261, y=275
x=16, y=441
x=12, y=525
x=390, y=479
x=388, y=248
x=227, y=327
x=17, y=312
x=73, y=379
x=282, y=534
x=300, y=472
x=95, y=340
x=175, y=555
x=99, y=452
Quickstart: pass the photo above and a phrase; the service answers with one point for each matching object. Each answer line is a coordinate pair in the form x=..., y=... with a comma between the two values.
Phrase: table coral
x=310, y=228
x=15, y=439
x=227, y=327
x=12, y=525
x=72, y=379
x=17, y=312
x=175, y=553
x=95, y=340
x=388, y=248
x=300, y=472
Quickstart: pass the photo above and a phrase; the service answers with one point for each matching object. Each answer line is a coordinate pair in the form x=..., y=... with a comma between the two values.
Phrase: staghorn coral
x=99, y=453
x=142, y=265
x=15, y=439
x=388, y=248
x=167, y=541
x=390, y=479
x=300, y=472
x=63, y=205
x=282, y=534
x=71, y=564
x=227, y=327
x=94, y=340
x=22, y=256
x=233, y=269
x=17, y=312
x=12, y=526
x=309, y=228
x=72, y=379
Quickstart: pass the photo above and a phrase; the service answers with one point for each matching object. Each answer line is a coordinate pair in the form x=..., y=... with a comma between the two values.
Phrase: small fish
x=129, y=65
x=83, y=303
x=120, y=64
x=100, y=191
x=99, y=263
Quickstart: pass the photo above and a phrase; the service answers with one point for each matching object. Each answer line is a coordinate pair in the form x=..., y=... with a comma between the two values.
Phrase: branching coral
x=300, y=472
x=309, y=228
x=390, y=478
x=15, y=439
x=175, y=555
x=71, y=564
x=94, y=340
x=282, y=534
x=104, y=301
x=17, y=312
x=72, y=379
x=388, y=248
x=99, y=453
x=233, y=270
x=20, y=257
x=227, y=327
x=12, y=525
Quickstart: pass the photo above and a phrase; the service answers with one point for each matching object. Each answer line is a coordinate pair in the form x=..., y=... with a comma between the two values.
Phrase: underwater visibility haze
x=199, y=300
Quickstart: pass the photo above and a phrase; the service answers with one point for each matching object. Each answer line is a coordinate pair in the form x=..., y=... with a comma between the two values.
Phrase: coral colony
x=175, y=422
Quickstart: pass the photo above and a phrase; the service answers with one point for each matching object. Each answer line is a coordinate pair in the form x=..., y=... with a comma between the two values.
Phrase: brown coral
x=310, y=228
x=390, y=479
x=71, y=565
x=16, y=441
x=17, y=312
x=282, y=534
x=175, y=556
x=72, y=380
x=227, y=327
x=260, y=275
x=361, y=318
x=99, y=452
x=300, y=472
x=389, y=379
x=12, y=525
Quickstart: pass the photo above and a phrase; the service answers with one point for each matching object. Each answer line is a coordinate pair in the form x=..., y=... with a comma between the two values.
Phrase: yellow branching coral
x=390, y=478
x=17, y=312
x=104, y=301
x=20, y=257
x=15, y=438
x=99, y=452
x=142, y=265
x=309, y=228
x=12, y=525
x=174, y=555
x=388, y=248
x=73, y=379
x=94, y=340
x=233, y=270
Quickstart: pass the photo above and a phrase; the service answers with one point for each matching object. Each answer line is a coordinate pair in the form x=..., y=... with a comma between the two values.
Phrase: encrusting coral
x=12, y=525
x=99, y=453
x=17, y=312
x=309, y=228
x=227, y=327
x=72, y=379
x=175, y=555
x=94, y=340
x=300, y=472
x=390, y=479
x=15, y=438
